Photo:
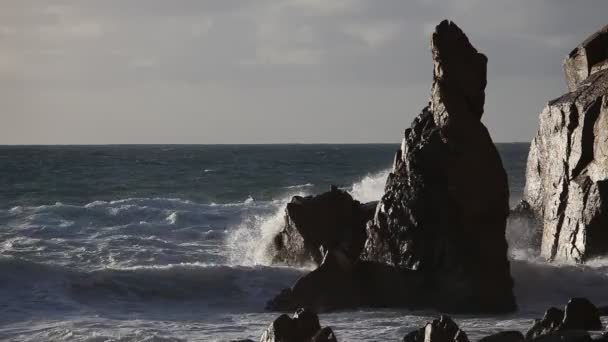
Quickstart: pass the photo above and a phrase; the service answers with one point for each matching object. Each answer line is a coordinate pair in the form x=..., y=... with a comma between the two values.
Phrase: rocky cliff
x=447, y=199
x=567, y=171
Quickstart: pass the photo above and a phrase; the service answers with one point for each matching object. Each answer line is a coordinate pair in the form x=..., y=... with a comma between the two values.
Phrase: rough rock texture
x=446, y=201
x=589, y=57
x=440, y=330
x=331, y=220
x=551, y=322
x=579, y=315
x=340, y=283
x=567, y=171
x=301, y=328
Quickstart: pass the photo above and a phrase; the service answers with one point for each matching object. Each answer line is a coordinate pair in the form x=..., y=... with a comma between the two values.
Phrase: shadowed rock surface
x=332, y=220
x=440, y=330
x=567, y=170
x=446, y=200
x=302, y=327
x=340, y=283
x=579, y=315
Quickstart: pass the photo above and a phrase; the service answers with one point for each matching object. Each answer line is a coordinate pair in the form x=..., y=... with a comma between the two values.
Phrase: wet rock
x=551, y=322
x=581, y=314
x=301, y=328
x=588, y=58
x=440, y=330
x=446, y=202
x=566, y=176
x=327, y=221
x=340, y=283
x=331, y=286
x=325, y=335
x=282, y=329
x=504, y=336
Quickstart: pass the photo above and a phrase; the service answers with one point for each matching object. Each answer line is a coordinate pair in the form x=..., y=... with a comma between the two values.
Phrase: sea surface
x=166, y=242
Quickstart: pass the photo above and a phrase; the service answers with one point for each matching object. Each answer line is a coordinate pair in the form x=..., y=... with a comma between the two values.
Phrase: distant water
x=165, y=243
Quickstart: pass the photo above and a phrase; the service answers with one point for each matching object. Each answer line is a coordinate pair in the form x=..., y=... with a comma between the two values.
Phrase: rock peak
x=459, y=74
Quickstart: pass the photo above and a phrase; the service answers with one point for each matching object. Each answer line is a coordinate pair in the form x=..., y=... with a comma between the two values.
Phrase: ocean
x=166, y=242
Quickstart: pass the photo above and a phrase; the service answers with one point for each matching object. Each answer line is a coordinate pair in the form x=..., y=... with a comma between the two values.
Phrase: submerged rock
x=447, y=199
x=330, y=220
x=567, y=171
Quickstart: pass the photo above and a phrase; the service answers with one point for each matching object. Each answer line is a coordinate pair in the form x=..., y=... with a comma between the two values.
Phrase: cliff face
x=446, y=201
x=567, y=171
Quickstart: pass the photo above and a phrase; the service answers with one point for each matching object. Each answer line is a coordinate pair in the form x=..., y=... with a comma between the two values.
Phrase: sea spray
x=251, y=242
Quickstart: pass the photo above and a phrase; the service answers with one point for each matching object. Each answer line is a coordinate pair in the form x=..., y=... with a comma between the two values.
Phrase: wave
x=214, y=285
x=371, y=187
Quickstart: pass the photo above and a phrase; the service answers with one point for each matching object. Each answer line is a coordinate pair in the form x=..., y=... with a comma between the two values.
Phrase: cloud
x=349, y=48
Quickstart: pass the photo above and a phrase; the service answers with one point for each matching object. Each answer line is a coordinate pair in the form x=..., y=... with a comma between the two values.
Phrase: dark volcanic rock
x=567, y=171
x=447, y=200
x=301, y=328
x=340, y=283
x=551, y=322
x=332, y=220
x=440, y=330
x=581, y=314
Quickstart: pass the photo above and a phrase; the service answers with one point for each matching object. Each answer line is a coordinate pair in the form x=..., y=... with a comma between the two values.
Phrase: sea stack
x=446, y=200
x=567, y=171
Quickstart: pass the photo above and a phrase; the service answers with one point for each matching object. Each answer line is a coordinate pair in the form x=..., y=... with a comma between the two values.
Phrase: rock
x=567, y=173
x=282, y=329
x=301, y=328
x=440, y=330
x=446, y=200
x=325, y=335
x=551, y=322
x=564, y=336
x=307, y=323
x=581, y=314
x=504, y=336
x=331, y=286
x=331, y=220
x=340, y=283
x=589, y=57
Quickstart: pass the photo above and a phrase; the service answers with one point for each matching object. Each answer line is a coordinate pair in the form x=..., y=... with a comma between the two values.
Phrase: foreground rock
x=303, y=327
x=567, y=171
x=447, y=199
x=440, y=330
x=579, y=314
x=332, y=220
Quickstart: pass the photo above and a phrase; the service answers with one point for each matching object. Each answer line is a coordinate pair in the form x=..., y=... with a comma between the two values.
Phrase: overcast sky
x=267, y=71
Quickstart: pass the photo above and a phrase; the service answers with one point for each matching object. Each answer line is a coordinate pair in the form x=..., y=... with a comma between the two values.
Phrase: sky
x=267, y=71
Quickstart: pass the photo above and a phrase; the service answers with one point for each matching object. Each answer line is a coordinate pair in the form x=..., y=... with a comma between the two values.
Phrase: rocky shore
x=436, y=238
x=579, y=321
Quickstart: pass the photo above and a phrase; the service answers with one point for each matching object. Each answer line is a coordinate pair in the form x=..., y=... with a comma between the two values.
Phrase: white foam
x=371, y=187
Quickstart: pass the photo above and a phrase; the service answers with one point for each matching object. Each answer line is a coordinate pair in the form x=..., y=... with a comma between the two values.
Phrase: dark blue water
x=167, y=243
x=202, y=173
